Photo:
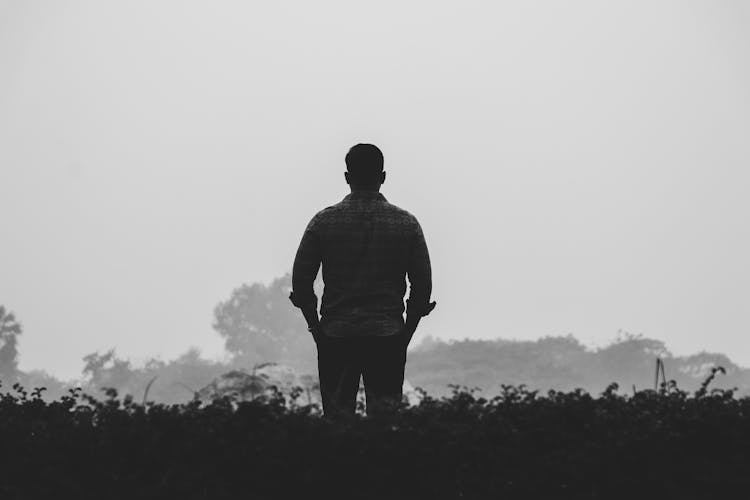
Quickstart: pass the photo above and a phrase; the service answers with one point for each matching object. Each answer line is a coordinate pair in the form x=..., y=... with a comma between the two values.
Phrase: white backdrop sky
x=577, y=167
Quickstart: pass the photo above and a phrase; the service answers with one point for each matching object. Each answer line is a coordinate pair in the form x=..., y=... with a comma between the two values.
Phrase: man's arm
x=304, y=271
x=420, y=280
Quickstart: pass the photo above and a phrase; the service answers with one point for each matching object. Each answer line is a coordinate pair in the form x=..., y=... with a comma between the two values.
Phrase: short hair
x=364, y=163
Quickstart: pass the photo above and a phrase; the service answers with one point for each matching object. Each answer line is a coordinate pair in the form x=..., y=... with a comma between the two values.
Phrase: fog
x=577, y=167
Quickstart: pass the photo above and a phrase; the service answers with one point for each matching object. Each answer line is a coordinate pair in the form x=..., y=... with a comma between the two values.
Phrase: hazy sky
x=577, y=167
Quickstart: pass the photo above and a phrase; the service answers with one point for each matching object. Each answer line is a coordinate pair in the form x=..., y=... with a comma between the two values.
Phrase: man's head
x=364, y=165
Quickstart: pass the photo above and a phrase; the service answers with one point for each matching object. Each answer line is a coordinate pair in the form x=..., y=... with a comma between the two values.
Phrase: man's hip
x=354, y=326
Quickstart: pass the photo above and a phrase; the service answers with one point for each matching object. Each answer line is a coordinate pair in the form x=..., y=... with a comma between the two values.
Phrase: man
x=367, y=247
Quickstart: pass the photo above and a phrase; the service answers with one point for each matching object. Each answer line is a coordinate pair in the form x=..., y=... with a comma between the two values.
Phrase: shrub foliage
x=518, y=444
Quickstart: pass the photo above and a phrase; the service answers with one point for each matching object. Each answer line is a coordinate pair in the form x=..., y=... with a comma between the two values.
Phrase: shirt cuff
x=421, y=309
x=303, y=300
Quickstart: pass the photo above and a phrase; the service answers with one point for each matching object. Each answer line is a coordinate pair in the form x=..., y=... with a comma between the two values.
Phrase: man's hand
x=408, y=332
x=310, y=312
x=316, y=333
x=412, y=322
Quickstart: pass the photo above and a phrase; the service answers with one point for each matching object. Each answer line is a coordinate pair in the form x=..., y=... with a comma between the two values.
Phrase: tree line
x=258, y=325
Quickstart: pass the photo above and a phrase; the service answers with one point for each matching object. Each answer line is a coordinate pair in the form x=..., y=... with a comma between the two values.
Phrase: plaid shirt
x=367, y=247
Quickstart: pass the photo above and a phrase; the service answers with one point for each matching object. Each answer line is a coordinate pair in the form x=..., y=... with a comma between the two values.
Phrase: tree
x=259, y=324
x=166, y=382
x=10, y=329
x=107, y=370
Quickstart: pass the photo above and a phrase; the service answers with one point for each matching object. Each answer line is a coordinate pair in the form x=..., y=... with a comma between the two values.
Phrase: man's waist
x=362, y=305
x=361, y=326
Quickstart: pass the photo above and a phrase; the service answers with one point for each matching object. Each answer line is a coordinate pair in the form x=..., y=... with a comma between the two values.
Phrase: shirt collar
x=365, y=195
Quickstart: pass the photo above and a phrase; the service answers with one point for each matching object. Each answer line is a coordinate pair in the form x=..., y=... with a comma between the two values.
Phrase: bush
x=518, y=444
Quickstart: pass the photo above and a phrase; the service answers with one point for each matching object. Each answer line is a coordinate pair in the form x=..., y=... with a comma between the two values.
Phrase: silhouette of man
x=367, y=247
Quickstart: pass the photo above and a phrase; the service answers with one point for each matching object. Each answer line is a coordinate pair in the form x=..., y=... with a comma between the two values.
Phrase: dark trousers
x=379, y=360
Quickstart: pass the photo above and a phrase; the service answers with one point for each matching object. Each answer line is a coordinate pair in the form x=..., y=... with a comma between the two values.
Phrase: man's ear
x=382, y=177
x=346, y=176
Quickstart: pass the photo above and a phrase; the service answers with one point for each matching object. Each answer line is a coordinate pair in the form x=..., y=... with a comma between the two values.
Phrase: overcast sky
x=577, y=167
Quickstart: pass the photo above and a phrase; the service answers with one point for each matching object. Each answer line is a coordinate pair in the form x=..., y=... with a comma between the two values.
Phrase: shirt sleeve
x=420, y=276
x=305, y=269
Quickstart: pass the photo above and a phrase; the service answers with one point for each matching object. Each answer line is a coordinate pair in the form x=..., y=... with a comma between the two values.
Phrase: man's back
x=367, y=247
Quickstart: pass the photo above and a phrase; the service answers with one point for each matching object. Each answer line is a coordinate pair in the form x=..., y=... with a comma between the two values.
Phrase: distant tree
x=259, y=324
x=53, y=387
x=107, y=370
x=562, y=363
x=168, y=382
x=10, y=329
x=184, y=376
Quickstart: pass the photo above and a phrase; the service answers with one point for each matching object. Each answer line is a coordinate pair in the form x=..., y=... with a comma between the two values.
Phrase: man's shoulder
x=334, y=212
x=324, y=215
x=327, y=211
x=402, y=213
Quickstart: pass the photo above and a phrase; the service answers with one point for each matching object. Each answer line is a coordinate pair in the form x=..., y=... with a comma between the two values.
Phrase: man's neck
x=365, y=194
x=365, y=191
